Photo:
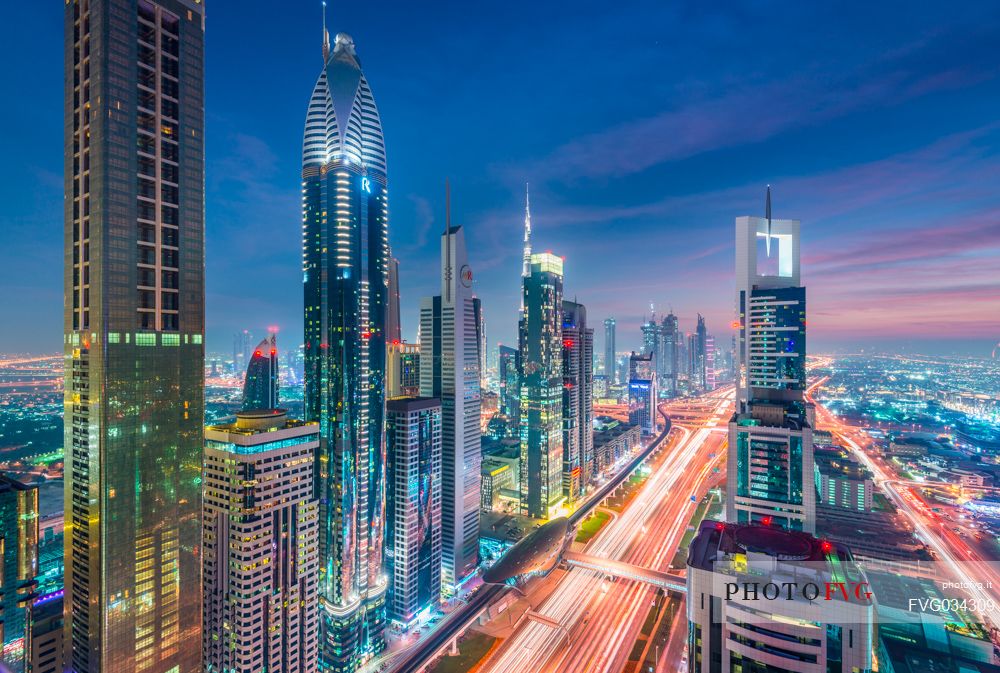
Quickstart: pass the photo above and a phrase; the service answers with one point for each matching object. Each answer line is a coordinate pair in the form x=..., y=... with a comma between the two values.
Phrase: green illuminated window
x=145, y=339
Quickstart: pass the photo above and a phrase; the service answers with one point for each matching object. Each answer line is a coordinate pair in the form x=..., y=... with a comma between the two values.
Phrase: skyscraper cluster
x=683, y=364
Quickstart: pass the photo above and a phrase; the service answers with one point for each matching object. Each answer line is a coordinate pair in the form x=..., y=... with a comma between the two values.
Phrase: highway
x=416, y=657
x=960, y=560
x=602, y=619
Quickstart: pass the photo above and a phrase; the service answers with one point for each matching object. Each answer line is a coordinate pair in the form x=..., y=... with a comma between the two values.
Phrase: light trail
x=603, y=620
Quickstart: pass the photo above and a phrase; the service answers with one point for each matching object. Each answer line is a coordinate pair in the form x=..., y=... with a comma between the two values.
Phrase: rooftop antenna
x=326, y=37
x=767, y=214
x=526, y=265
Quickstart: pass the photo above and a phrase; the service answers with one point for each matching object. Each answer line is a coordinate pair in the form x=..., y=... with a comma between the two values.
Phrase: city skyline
x=831, y=152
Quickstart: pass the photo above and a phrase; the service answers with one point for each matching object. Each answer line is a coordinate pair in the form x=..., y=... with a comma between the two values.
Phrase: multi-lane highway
x=600, y=620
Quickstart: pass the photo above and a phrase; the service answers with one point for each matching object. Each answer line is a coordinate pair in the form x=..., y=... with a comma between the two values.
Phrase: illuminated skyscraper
x=346, y=290
x=510, y=388
x=260, y=557
x=449, y=371
x=578, y=400
x=670, y=340
x=413, y=505
x=698, y=355
x=770, y=465
x=540, y=332
x=642, y=392
x=477, y=310
x=134, y=323
x=19, y=559
x=260, y=388
x=609, y=352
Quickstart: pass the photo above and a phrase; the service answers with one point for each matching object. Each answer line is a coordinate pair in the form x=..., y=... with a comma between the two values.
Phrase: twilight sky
x=644, y=129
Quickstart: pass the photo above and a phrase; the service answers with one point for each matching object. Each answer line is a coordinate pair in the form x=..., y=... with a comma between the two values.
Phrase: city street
x=600, y=619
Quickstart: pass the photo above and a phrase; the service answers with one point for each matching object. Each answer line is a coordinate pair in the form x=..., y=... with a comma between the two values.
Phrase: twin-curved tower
x=345, y=260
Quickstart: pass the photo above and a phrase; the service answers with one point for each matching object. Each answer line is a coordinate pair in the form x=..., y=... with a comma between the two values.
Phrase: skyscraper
x=19, y=559
x=578, y=400
x=134, y=323
x=346, y=293
x=477, y=310
x=510, y=388
x=413, y=505
x=260, y=561
x=609, y=351
x=449, y=371
x=260, y=388
x=540, y=332
x=770, y=465
x=642, y=392
x=669, y=338
x=699, y=358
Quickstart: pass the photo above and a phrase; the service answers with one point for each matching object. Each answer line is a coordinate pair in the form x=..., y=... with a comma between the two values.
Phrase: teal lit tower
x=346, y=293
x=541, y=416
x=134, y=321
x=18, y=572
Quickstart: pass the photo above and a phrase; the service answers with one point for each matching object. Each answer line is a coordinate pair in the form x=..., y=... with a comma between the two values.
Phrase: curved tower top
x=342, y=123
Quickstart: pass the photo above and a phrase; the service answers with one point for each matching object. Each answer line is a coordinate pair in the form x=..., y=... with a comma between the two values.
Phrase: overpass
x=666, y=581
x=445, y=637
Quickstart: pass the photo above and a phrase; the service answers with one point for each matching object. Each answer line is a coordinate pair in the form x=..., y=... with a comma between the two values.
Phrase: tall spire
x=767, y=214
x=326, y=37
x=526, y=265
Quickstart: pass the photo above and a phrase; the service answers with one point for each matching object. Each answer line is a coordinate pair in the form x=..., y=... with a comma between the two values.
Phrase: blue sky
x=644, y=129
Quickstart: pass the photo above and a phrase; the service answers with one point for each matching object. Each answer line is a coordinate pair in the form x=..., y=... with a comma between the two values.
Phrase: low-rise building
x=841, y=481
x=752, y=603
x=497, y=476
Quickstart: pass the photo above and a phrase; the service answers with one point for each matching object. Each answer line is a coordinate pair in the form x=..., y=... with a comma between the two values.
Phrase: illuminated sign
x=465, y=274
x=366, y=185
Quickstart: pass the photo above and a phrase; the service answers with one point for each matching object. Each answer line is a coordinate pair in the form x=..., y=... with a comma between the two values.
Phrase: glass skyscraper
x=609, y=351
x=770, y=465
x=541, y=345
x=18, y=570
x=260, y=388
x=346, y=292
x=578, y=400
x=134, y=323
x=413, y=529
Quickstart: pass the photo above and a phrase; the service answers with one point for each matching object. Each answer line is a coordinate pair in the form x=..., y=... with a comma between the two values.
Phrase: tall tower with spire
x=526, y=258
x=345, y=279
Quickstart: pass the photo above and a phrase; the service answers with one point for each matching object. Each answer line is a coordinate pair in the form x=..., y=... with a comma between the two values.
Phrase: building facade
x=578, y=400
x=609, y=351
x=260, y=387
x=346, y=291
x=449, y=371
x=540, y=338
x=736, y=621
x=642, y=392
x=133, y=330
x=770, y=462
x=19, y=572
x=670, y=339
x=413, y=505
x=508, y=368
x=260, y=560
